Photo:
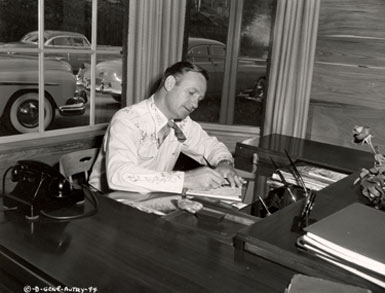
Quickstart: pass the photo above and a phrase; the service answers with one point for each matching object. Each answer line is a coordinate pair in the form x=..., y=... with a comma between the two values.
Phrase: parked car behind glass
x=63, y=40
x=19, y=92
x=209, y=54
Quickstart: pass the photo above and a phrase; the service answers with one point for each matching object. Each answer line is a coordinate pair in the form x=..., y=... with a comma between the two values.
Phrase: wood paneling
x=334, y=124
x=340, y=84
x=363, y=52
x=47, y=150
x=348, y=86
x=352, y=17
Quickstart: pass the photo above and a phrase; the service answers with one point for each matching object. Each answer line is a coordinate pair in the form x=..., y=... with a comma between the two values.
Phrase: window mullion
x=231, y=64
x=93, y=61
x=41, y=64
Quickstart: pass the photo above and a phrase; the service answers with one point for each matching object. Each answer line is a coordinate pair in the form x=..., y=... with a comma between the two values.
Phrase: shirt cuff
x=227, y=161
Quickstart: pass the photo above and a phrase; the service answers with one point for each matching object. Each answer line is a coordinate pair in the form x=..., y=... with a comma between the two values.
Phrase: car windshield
x=30, y=38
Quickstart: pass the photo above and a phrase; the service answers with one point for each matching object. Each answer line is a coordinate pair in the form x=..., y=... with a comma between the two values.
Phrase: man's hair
x=180, y=68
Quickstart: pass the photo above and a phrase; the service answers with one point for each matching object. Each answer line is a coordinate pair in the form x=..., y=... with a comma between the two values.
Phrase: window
x=48, y=86
x=60, y=41
x=235, y=90
x=199, y=54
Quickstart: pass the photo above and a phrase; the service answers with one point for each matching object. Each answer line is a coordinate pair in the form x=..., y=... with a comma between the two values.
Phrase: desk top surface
x=121, y=249
x=332, y=156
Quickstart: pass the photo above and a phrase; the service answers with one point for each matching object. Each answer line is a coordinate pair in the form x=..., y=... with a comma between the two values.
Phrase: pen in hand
x=226, y=181
x=207, y=163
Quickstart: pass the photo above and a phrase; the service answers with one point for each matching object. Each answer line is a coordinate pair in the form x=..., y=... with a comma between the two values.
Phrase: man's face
x=185, y=94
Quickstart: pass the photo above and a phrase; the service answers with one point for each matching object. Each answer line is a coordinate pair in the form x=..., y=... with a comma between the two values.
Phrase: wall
x=48, y=150
x=348, y=85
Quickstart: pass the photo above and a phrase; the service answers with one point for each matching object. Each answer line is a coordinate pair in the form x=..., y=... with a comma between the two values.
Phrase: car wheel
x=259, y=89
x=22, y=114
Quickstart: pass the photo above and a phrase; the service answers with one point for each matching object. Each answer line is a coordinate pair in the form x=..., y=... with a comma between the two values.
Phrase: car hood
x=18, y=45
x=29, y=63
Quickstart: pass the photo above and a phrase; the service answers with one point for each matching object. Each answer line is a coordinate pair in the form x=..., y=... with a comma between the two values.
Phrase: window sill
x=63, y=141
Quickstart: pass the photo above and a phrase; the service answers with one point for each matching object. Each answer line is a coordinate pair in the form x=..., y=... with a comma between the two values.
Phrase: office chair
x=76, y=165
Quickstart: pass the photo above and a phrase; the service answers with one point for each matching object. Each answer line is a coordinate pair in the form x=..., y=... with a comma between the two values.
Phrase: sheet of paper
x=223, y=192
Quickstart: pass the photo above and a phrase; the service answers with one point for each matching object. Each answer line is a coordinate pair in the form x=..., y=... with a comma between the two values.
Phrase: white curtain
x=155, y=40
x=292, y=62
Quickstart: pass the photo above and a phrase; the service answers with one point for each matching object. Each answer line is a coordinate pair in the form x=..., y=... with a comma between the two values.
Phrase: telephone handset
x=34, y=174
x=40, y=187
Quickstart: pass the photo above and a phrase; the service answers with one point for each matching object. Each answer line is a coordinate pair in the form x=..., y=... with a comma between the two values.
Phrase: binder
x=352, y=238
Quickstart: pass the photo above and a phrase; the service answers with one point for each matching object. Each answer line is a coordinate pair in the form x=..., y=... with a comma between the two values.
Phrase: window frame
x=231, y=52
x=230, y=62
x=40, y=52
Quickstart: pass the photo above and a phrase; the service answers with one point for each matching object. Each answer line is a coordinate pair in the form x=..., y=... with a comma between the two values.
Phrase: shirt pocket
x=147, y=150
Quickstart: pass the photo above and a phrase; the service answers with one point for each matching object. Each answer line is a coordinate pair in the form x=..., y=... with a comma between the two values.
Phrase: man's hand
x=225, y=168
x=203, y=178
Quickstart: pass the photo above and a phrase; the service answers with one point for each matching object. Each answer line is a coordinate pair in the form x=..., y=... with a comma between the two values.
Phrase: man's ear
x=169, y=83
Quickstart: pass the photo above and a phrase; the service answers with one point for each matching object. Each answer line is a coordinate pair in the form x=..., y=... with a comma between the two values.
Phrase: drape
x=155, y=40
x=291, y=69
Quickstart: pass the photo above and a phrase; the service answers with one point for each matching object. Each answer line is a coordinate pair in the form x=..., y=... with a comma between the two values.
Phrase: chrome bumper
x=100, y=87
x=105, y=89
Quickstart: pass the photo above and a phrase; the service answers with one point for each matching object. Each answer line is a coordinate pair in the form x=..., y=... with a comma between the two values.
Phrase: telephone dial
x=40, y=188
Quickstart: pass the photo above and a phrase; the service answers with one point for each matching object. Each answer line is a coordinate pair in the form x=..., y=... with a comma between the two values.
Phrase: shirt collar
x=159, y=118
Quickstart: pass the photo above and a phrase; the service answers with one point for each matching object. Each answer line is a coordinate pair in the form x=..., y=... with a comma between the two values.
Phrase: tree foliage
x=18, y=17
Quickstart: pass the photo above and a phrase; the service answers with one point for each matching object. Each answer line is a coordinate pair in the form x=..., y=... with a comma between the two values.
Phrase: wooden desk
x=121, y=249
x=272, y=238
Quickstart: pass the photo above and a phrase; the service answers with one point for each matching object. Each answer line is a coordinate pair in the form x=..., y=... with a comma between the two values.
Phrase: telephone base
x=31, y=207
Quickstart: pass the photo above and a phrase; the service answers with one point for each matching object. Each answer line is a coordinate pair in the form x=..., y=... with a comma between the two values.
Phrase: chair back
x=78, y=163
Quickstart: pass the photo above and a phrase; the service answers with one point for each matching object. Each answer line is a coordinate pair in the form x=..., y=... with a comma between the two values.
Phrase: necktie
x=164, y=132
x=178, y=132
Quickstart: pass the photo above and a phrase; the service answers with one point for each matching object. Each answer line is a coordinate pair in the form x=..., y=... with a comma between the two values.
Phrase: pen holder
x=303, y=219
x=279, y=198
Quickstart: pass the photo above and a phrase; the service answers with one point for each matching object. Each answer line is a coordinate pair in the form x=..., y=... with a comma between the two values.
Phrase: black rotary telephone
x=39, y=187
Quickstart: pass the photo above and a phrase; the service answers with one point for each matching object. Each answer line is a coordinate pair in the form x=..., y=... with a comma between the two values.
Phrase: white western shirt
x=131, y=158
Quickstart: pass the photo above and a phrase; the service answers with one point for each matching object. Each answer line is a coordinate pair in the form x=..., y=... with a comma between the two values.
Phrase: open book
x=222, y=193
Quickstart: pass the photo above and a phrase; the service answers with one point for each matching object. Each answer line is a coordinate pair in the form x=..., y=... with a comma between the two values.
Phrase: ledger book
x=352, y=238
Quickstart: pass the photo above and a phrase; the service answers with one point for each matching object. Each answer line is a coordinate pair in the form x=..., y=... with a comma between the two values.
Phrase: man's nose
x=195, y=101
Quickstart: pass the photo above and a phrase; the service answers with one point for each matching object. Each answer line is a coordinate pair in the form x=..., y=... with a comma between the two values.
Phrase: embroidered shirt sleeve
x=199, y=144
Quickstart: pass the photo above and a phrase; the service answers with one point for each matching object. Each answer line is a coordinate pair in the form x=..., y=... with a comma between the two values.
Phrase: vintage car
x=63, y=40
x=209, y=54
x=19, y=92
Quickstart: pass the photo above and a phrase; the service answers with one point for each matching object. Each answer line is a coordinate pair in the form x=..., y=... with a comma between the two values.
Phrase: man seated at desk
x=143, y=141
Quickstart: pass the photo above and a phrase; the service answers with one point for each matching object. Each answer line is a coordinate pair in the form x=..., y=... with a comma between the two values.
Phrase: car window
x=218, y=53
x=199, y=53
x=79, y=42
x=60, y=41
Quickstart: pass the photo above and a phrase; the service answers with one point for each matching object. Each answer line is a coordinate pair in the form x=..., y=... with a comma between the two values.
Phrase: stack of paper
x=314, y=177
x=222, y=193
x=353, y=239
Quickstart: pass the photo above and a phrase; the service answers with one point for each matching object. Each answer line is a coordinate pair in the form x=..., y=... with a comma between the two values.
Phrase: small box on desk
x=261, y=150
